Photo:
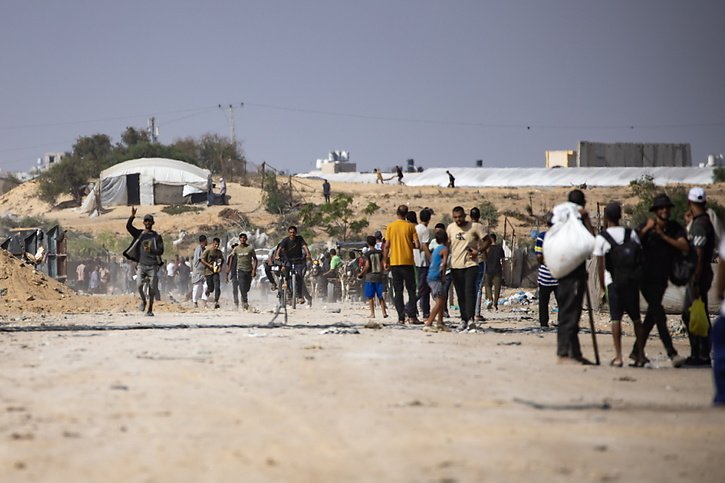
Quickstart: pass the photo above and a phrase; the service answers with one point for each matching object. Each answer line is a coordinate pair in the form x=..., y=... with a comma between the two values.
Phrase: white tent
x=152, y=181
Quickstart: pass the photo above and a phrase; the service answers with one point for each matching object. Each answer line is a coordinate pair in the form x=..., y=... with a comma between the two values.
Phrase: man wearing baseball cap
x=702, y=239
x=146, y=250
x=662, y=239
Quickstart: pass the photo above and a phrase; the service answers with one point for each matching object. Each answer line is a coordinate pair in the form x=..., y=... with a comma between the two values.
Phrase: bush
x=180, y=209
x=489, y=213
x=718, y=175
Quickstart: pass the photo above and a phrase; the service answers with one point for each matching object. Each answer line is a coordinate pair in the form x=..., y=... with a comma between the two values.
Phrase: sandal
x=615, y=363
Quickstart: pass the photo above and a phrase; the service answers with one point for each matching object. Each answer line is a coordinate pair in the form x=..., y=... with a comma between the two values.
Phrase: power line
x=199, y=110
x=527, y=126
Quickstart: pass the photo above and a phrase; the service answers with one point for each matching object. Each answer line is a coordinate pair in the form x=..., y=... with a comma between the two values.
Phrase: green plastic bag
x=699, y=324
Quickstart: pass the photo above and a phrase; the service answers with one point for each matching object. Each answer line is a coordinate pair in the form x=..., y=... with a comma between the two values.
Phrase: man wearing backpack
x=620, y=250
x=662, y=241
x=702, y=240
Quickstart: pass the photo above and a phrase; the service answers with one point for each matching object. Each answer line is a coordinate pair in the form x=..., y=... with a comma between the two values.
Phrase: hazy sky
x=443, y=82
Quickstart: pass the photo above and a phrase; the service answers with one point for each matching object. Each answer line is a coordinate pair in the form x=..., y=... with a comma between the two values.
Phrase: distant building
x=337, y=162
x=560, y=159
x=633, y=155
x=48, y=160
x=714, y=161
x=621, y=155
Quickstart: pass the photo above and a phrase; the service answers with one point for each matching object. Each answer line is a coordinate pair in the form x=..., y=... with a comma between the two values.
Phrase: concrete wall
x=633, y=155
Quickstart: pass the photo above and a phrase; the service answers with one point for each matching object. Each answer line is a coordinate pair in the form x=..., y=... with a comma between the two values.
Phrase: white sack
x=568, y=243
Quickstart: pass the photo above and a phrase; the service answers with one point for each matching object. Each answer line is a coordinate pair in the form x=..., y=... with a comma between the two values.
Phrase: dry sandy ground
x=218, y=396
x=100, y=393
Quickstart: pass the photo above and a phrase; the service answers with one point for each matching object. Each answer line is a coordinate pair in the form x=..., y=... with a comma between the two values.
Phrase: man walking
x=572, y=288
x=618, y=253
x=662, y=240
x=198, y=281
x=702, y=240
x=246, y=259
x=546, y=281
x=494, y=272
x=326, y=190
x=467, y=240
x=400, y=240
x=451, y=180
x=146, y=250
x=230, y=273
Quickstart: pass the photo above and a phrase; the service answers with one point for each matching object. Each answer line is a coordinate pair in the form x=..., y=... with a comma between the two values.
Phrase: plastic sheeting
x=540, y=177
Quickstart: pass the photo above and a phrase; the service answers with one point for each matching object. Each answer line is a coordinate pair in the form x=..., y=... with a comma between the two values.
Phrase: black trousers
x=464, y=281
x=403, y=276
x=245, y=283
x=699, y=346
x=653, y=291
x=423, y=290
x=545, y=292
x=213, y=284
x=571, y=295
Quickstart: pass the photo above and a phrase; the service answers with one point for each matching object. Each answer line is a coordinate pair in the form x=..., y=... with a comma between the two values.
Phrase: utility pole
x=230, y=117
x=233, y=130
x=153, y=130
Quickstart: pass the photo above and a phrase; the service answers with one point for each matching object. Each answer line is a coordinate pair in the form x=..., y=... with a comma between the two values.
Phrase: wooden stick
x=591, y=325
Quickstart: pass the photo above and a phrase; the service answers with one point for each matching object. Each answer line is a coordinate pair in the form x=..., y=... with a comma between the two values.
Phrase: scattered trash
x=564, y=407
x=337, y=330
x=334, y=311
x=519, y=298
x=626, y=379
x=515, y=342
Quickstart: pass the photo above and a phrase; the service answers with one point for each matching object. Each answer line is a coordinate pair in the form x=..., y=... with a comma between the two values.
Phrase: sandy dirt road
x=227, y=399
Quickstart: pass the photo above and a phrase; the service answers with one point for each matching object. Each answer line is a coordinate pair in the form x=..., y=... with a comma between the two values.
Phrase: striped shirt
x=545, y=278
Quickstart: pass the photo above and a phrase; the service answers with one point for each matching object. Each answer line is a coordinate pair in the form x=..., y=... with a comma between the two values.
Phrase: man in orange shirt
x=400, y=240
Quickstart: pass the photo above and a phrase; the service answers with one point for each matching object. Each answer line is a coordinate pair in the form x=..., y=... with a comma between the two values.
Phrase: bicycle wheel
x=293, y=279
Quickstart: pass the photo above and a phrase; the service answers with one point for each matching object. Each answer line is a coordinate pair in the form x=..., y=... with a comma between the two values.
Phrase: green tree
x=64, y=177
x=337, y=218
x=276, y=200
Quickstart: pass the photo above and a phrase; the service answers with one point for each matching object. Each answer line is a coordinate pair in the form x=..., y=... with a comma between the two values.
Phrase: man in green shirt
x=246, y=267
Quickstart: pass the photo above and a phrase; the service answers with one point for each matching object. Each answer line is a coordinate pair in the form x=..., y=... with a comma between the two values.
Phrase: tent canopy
x=149, y=181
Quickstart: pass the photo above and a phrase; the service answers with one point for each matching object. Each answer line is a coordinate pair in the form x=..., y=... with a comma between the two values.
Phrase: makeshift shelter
x=153, y=181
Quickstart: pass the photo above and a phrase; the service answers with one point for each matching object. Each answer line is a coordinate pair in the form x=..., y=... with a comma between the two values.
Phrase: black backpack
x=683, y=267
x=624, y=261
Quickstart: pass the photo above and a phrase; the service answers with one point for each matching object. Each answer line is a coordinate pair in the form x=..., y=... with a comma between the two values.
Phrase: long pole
x=591, y=324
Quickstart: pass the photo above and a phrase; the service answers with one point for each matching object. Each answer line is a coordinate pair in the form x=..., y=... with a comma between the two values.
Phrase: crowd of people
x=423, y=264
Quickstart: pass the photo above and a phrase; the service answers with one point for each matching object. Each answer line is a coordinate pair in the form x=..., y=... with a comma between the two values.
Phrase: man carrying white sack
x=566, y=258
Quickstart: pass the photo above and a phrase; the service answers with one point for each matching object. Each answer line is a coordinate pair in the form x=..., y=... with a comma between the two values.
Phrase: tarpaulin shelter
x=153, y=181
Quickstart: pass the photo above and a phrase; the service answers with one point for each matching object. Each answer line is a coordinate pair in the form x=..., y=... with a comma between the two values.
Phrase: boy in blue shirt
x=436, y=281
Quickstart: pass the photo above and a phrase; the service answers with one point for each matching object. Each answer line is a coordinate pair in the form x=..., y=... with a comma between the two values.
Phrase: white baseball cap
x=697, y=195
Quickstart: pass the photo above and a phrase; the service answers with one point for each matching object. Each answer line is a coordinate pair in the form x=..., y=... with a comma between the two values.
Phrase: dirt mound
x=26, y=290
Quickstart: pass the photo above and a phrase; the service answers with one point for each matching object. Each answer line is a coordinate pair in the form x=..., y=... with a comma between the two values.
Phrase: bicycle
x=279, y=273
